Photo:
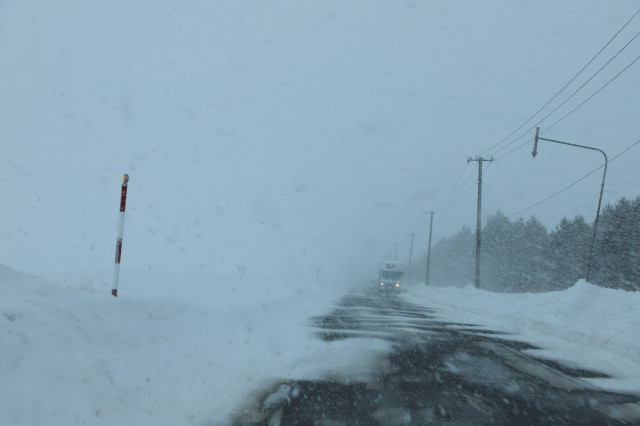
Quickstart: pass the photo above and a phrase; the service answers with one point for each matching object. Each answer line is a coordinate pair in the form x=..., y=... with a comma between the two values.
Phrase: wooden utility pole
x=480, y=160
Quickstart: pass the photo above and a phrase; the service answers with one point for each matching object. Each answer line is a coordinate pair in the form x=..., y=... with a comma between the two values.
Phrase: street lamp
x=604, y=175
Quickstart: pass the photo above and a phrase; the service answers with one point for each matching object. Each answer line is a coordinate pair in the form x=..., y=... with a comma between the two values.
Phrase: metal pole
x=123, y=203
x=429, y=249
x=595, y=223
x=604, y=175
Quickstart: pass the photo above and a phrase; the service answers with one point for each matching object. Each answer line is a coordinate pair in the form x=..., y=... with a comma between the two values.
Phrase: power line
x=450, y=200
x=625, y=150
x=458, y=198
x=574, y=183
x=454, y=201
x=445, y=199
x=584, y=84
x=566, y=115
x=564, y=87
x=598, y=91
x=469, y=189
x=455, y=194
x=559, y=192
x=515, y=149
x=447, y=202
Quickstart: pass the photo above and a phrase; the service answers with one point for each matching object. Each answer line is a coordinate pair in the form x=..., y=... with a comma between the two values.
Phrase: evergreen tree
x=515, y=255
x=522, y=256
x=453, y=259
x=570, y=244
x=497, y=243
x=615, y=263
x=534, y=264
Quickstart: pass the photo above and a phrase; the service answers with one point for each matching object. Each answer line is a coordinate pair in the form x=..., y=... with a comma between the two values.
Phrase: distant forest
x=523, y=256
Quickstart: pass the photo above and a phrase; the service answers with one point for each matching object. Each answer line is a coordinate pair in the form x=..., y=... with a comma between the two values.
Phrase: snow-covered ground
x=72, y=354
x=585, y=326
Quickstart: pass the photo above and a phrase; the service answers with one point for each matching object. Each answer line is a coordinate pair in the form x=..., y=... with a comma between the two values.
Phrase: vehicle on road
x=390, y=276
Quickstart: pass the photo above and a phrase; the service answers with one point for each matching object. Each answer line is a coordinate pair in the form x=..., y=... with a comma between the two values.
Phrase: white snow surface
x=73, y=354
x=585, y=326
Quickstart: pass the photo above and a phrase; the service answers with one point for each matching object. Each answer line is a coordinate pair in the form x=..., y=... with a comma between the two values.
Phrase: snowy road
x=437, y=372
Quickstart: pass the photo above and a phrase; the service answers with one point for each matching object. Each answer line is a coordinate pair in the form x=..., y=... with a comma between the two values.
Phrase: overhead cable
x=597, y=91
x=574, y=93
x=455, y=199
x=567, y=84
x=574, y=183
x=566, y=115
x=446, y=198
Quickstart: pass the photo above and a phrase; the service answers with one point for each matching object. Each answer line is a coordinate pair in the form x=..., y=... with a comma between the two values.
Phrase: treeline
x=523, y=256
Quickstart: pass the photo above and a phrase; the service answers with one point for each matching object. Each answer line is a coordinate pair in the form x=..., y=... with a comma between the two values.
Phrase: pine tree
x=534, y=263
x=570, y=244
x=497, y=244
x=453, y=259
x=522, y=256
x=617, y=255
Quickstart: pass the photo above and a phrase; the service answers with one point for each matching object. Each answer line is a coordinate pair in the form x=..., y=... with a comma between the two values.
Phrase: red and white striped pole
x=123, y=202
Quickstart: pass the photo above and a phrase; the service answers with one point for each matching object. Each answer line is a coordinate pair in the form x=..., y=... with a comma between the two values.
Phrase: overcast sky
x=297, y=136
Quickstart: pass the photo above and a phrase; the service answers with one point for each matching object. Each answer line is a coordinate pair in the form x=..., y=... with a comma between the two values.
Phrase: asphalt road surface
x=437, y=373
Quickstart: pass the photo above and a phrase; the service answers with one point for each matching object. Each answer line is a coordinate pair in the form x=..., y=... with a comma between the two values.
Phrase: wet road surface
x=437, y=373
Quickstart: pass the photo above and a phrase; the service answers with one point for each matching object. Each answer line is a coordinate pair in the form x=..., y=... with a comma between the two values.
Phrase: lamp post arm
x=579, y=146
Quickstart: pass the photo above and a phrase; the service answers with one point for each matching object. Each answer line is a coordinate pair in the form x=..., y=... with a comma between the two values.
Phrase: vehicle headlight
x=381, y=283
x=397, y=284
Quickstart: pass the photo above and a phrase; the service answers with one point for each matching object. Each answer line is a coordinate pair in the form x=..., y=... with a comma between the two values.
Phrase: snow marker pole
x=123, y=202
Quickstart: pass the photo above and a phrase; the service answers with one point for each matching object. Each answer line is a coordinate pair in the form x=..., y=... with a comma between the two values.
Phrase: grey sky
x=289, y=135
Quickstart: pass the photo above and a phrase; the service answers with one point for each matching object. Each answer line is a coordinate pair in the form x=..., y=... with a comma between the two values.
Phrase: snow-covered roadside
x=585, y=326
x=72, y=354
x=170, y=351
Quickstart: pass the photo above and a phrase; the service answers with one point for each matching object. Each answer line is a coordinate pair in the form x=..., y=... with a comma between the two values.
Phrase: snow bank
x=585, y=326
x=171, y=351
x=73, y=354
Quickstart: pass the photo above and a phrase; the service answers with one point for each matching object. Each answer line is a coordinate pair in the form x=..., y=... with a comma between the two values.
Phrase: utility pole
x=410, y=256
x=426, y=281
x=411, y=249
x=480, y=160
